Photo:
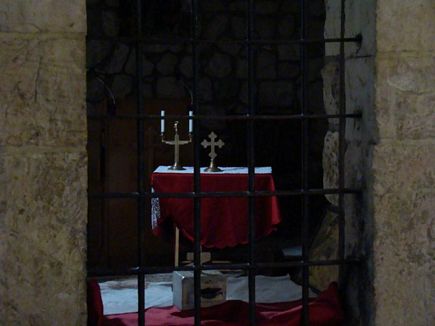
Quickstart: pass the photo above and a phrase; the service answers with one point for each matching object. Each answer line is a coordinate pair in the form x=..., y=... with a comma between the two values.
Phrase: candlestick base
x=212, y=168
x=176, y=167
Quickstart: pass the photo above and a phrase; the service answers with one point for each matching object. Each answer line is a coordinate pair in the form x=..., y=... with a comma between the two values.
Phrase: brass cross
x=176, y=143
x=212, y=143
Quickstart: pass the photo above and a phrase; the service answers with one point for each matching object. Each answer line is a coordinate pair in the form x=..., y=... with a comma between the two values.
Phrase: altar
x=224, y=220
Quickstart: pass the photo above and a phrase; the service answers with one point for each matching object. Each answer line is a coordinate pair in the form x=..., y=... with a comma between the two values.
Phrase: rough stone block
x=242, y=68
x=212, y=5
x=289, y=7
x=405, y=90
x=117, y=59
x=400, y=165
x=96, y=51
x=112, y=3
x=330, y=164
x=231, y=49
x=405, y=26
x=122, y=85
x=236, y=5
x=130, y=65
x=331, y=91
x=403, y=246
x=166, y=65
x=266, y=7
x=288, y=70
x=360, y=90
x=224, y=89
x=360, y=19
x=186, y=66
x=147, y=66
x=111, y=23
x=325, y=247
x=286, y=27
x=243, y=95
x=215, y=28
x=43, y=92
x=43, y=270
x=355, y=234
x=33, y=16
x=316, y=9
x=288, y=52
x=276, y=93
x=266, y=28
x=169, y=87
x=332, y=26
x=219, y=65
x=403, y=201
x=353, y=165
x=205, y=89
x=238, y=27
x=266, y=65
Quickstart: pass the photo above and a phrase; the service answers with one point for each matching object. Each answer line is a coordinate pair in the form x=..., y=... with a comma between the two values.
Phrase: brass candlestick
x=212, y=143
x=176, y=143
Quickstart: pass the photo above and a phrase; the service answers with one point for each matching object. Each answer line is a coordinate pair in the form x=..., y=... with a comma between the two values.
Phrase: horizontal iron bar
x=221, y=266
x=279, y=193
x=150, y=41
x=331, y=262
x=115, y=195
x=136, y=271
x=246, y=117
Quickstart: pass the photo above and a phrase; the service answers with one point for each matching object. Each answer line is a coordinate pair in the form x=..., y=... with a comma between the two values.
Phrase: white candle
x=162, y=122
x=190, y=122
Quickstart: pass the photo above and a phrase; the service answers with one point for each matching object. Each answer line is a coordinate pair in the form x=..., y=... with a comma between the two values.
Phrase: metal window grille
x=143, y=194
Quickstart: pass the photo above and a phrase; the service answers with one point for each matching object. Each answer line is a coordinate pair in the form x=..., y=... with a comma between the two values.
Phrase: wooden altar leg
x=177, y=247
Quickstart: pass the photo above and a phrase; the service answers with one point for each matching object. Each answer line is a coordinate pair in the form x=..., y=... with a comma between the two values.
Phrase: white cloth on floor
x=118, y=299
x=121, y=296
x=268, y=289
x=225, y=170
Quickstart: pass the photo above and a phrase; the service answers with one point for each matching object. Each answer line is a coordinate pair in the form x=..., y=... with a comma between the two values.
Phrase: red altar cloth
x=224, y=220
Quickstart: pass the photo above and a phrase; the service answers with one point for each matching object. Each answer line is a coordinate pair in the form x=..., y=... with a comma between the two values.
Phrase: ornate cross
x=176, y=143
x=212, y=143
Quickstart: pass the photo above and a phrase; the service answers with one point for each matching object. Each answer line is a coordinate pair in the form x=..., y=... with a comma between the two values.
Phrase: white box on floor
x=213, y=289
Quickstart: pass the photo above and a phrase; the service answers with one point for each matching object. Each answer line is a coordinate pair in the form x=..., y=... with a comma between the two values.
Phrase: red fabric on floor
x=224, y=220
x=325, y=310
x=95, y=304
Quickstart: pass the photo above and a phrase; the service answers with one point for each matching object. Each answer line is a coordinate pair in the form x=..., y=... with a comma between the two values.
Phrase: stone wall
x=42, y=163
x=403, y=176
x=223, y=68
x=389, y=155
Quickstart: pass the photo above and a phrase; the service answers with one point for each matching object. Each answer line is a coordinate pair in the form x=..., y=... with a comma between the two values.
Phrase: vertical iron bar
x=140, y=169
x=304, y=164
x=251, y=159
x=196, y=170
x=341, y=146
